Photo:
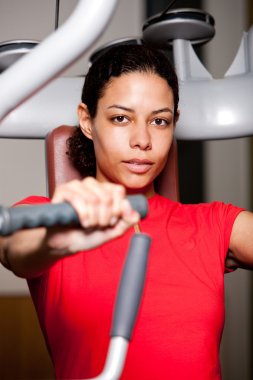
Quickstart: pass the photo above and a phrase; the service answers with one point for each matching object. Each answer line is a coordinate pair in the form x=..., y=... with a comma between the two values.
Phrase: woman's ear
x=84, y=120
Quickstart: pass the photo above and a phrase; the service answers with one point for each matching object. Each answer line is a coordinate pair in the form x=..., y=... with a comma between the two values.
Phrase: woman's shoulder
x=215, y=207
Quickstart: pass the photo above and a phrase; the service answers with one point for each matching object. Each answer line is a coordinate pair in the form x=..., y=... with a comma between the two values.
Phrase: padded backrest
x=60, y=168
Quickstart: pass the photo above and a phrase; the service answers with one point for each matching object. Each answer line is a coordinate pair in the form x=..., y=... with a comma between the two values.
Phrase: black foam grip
x=131, y=287
x=47, y=215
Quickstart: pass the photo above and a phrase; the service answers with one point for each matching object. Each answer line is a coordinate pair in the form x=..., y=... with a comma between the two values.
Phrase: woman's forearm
x=26, y=253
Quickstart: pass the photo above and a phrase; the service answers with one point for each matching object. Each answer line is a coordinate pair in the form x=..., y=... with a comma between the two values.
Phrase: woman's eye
x=120, y=119
x=160, y=122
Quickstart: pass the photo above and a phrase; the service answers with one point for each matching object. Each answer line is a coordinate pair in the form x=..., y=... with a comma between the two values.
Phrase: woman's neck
x=147, y=192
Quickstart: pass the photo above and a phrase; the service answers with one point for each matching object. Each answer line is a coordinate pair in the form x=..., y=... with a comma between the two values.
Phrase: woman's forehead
x=137, y=81
x=137, y=89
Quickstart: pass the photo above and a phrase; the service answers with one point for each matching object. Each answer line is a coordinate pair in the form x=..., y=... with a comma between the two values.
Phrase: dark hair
x=117, y=60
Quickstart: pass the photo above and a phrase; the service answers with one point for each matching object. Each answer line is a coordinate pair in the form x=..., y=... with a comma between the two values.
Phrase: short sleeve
x=227, y=214
x=32, y=200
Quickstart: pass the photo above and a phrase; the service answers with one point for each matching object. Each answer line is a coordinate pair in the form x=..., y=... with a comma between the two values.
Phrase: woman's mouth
x=138, y=166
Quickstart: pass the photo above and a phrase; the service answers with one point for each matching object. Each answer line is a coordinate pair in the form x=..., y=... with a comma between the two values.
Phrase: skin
x=132, y=133
x=140, y=130
x=241, y=246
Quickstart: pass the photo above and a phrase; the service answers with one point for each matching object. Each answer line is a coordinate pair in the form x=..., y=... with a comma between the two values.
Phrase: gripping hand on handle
x=104, y=213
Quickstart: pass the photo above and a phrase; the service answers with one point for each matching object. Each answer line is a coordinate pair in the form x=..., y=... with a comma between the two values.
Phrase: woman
x=127, y=119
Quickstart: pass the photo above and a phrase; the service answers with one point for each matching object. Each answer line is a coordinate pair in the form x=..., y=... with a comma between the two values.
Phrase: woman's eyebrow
x=166, y=109
x=121, y=107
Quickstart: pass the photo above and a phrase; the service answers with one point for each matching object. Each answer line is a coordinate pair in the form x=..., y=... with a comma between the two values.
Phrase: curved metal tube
x=210, y=108
x=54, y=105
x=214, y=108
x=54, y=54
x=115, y=359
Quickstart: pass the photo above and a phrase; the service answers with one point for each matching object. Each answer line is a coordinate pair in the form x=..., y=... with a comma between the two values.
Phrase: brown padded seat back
x=60, y=168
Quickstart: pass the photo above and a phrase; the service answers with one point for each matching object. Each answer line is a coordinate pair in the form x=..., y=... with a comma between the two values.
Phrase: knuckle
x=120, y=190
x=71, y=184
x=89, y=180
x=107, y=199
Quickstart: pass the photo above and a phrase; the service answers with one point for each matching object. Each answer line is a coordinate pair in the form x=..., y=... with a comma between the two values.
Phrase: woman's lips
x=138, y=166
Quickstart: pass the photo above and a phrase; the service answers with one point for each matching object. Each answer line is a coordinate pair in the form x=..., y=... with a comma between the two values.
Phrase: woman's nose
x=140, y=137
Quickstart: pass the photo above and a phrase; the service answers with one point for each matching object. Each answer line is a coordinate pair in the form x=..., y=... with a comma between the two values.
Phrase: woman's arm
x=103, y=211
x=241, y=241
x=25, y=252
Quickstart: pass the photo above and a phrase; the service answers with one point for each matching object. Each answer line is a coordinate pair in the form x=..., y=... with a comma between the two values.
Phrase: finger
x=118, y=193
x=129, y=215
x=119, y=229
x=105, y=201
x=110, y=201
x=71, y=190
x=82, y=200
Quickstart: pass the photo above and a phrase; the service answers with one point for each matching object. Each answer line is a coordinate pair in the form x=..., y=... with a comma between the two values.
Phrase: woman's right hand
x=103, y=210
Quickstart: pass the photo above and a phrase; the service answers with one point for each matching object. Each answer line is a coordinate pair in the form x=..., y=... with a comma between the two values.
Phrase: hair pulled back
x=117, y=60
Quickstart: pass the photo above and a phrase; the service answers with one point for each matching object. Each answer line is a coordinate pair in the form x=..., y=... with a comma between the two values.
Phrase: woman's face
x=132, y=131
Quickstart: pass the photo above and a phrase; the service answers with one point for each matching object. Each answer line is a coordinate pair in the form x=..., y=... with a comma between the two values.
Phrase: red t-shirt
x=180, y=323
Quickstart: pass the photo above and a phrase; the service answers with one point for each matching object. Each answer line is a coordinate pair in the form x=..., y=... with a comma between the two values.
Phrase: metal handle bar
x=13, y=219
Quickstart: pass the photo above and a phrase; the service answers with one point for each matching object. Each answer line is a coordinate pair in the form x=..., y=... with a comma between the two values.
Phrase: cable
x=168, y=7
x=57, y=8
